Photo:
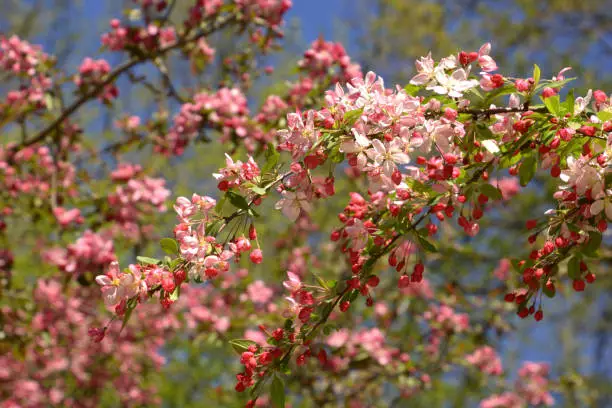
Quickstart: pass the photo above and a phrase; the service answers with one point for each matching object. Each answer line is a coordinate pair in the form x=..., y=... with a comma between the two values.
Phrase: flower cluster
x=33, y=171
x=206, y=256
x=92, y=73
x=22, y=59
x=451, y=76
x=486, y=360
x=133, y=201
x=57, y=351
x=531, y=388
x=323, y=55
x=89, y=253
x=225, y=110
x=147, y=39
x=457, y=142
x=270, y=11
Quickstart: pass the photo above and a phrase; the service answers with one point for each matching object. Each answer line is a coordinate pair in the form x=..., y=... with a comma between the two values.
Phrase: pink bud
x=256, y=256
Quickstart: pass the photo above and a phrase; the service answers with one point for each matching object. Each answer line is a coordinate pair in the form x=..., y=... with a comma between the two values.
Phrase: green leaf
x=259, y=190
x=49, y=101
x=175, y=295
x=417, y=186
x=320, y=280
x=272, y=156
x=220, y=204
x=241, y=345
x=351, y=117
x=412, y=90
x=426, y=245
x=593, y=244
x=126, y=317
x=288, y=324
x=491, y=191
x=277, y=392
x=237, y=200
x=570, y=102
x=553, y=104
x=336, y=155
x=536, y=75
x=148, y=261
x=169, y=245
x=573, y=267
x=604, y=116
x=490, y=145
x=527, y=170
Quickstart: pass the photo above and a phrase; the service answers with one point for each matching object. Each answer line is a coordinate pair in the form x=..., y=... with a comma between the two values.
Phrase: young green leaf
x=277, y=392
x=593, y=244
x=351, y=117
x=259, y=190
x=148, y=261
x=573, y=267
x=604, y=116
x=425, y=244
x=412, y=90
x=175, y=295
x=491, y=191
x=272, y=156
x=553, y=104
x=527, y=170
x=570, y=102
x=169, y=245
x=237, y=200
x=241, y=345
x=536, y=75
x=128, y=312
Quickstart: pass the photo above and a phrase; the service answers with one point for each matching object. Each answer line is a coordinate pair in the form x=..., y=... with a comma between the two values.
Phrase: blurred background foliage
x=385, y=36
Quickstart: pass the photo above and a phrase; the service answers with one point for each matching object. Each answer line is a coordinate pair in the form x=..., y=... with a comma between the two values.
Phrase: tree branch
x=125, y=66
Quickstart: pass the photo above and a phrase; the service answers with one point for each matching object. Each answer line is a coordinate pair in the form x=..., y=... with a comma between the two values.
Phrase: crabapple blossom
x=420, y=160
x=117, y=286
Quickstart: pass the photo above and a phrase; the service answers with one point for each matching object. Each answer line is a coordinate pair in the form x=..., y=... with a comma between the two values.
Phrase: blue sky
x=317, y=16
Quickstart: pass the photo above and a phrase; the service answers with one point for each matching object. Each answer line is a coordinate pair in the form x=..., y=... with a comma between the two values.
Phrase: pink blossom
x=258, y=292
x=67, y=217
x=486, y=360
x=292, y=204
x=425, y=69
x=509, y=187
x=117, y=286
x=293, y=283
x=454, y=84
x=358, y=234
x=532, y=384
x=505, y=400
x=338, y=338
x=388, y=155
x=502, y=272
x=484, y=60
x=256, y=336
x=602, y=204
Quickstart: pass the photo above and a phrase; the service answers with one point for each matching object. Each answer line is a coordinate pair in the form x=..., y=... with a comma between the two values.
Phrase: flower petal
x=597, y=207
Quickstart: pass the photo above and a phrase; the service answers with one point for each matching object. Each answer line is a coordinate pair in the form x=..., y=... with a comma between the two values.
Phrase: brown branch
x=125, y=66
x=494, y=111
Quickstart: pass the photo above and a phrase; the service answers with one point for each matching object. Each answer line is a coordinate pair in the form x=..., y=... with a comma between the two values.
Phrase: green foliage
x=169, y=245
x=527, y=170
x=277, y=392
